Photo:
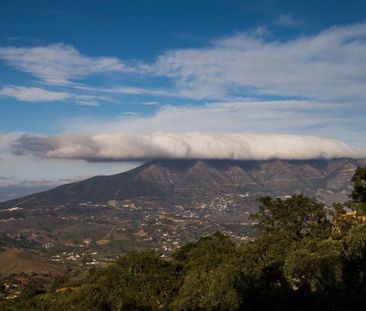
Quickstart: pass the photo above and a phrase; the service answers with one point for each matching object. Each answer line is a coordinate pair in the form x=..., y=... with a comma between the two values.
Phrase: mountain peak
x=172, y=178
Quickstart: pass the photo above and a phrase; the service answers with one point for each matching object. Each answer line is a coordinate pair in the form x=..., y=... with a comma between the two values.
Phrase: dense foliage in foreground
x=307, y=257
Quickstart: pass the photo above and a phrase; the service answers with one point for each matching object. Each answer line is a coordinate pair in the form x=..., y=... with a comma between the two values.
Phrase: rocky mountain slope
x=170, y=179
x=164, y=203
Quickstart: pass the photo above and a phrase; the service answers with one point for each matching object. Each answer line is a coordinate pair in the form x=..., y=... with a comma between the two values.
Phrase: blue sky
x=141, y=31
x=87, y=68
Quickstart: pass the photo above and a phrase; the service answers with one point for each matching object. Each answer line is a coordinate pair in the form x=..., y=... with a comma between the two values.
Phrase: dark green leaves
x=295, y=217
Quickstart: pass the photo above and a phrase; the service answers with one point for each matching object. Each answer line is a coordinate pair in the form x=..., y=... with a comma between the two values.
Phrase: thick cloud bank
x=194, y=145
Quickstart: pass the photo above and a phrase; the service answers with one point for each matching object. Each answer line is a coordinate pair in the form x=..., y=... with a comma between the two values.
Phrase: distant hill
x=182, y=199
x=10, y=192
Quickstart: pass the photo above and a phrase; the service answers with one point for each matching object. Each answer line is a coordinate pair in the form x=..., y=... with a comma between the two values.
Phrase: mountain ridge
x=163, y=204
x=161, y=178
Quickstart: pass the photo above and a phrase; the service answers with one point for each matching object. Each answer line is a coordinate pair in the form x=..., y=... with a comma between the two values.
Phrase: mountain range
x=164, y=203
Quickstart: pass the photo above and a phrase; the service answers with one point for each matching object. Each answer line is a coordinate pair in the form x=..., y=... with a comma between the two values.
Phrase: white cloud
x=33, y=94
x=151, y=103
x=338, y=121
x=33, y=169
x=236, y=146
x=59, y=63
x=328, y=66
x=140, y=91
x=128, y=90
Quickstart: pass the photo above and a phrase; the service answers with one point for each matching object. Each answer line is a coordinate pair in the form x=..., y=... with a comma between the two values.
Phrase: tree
x=313, y=265
x=89, y=297
x=359, y=185
x=208, y=252
x=262, y=261
x=141, y=277
x=359, y=190
x=294, y=218
x=354, y=245
x=34, y=287
x=212, y=275
x=214, y=289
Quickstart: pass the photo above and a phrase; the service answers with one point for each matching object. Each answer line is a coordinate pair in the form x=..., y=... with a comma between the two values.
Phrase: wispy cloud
x=140, y=91
x=40, y=95
x=33, y=94
x=59, y=63
x=328, y=66
x=151, y=103
x=128, y=90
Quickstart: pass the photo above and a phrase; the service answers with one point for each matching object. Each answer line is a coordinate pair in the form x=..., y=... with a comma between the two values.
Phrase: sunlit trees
x=211, y=276
x=140, y=277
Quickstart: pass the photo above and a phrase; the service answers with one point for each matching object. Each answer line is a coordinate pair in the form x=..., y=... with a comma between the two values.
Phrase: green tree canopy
x=295, y=217
x=359, y=190
x=313, y=265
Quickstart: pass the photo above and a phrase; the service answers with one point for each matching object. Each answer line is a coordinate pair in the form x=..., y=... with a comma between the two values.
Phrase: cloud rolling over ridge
x=192, y=145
